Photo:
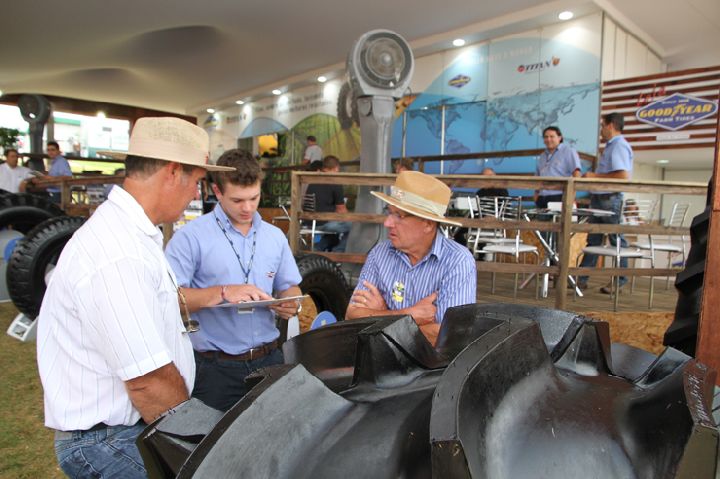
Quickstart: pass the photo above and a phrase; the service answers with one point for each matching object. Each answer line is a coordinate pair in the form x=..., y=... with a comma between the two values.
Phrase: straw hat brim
x=121, y=156
x=413, y=210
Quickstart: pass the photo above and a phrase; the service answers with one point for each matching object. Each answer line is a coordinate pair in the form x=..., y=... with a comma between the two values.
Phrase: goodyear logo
x=540, y=66
x=676, y=111
x=459, y=81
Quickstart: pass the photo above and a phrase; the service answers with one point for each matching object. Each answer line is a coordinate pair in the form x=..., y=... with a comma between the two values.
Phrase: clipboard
x=260, y=304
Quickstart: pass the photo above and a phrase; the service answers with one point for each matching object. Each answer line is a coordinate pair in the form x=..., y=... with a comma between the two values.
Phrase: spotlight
x=566, y=15
x=458, y=42
x=276, y=92
x=322, y=79
x=210, y=110
x=240, y=102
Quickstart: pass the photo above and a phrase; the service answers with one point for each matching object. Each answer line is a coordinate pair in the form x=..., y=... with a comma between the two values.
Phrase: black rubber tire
x=347, y=110
x=325, y=283
x=24, y=211
x=28, y=264
x=682, y=333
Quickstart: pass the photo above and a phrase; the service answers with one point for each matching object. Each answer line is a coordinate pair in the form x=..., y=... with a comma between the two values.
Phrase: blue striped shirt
x=561, y=162
x=448, y=269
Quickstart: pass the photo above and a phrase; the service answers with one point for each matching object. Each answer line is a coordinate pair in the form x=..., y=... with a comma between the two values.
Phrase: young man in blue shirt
x=232, y=255
x=616, y=162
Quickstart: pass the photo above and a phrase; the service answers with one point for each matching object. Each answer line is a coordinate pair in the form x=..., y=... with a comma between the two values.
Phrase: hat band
x=163, y=150
x=418, y=201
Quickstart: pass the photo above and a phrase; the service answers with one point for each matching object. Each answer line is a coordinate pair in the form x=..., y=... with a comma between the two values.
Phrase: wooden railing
x=564, y=228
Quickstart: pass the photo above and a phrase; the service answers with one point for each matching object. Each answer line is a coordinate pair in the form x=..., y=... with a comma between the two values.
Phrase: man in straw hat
x=417, y=271
x=222, y=257
x=112, y=347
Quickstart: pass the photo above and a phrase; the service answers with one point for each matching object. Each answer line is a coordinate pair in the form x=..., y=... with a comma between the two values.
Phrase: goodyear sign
x=676, y=111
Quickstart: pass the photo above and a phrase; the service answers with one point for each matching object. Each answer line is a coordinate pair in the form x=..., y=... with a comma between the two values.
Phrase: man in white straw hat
x=112, y=346
x=417, y=271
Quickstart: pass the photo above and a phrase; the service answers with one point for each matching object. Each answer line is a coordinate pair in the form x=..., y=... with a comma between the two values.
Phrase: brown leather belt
x=253, y=353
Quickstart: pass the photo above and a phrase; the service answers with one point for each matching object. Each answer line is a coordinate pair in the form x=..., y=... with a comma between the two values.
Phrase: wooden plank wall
x=628, y=95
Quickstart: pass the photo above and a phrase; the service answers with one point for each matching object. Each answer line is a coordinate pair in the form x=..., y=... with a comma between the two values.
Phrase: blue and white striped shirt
x=448, y=269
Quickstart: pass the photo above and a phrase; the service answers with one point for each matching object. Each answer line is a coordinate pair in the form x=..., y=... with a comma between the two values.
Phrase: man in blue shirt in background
x=558, y=159
x=226, y=256
x=616, y=162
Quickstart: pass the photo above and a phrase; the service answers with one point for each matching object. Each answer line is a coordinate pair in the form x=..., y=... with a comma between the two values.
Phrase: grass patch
x=26, y=444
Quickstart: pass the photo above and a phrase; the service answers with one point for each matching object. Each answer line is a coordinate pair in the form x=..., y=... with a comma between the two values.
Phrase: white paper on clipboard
x=259, y=304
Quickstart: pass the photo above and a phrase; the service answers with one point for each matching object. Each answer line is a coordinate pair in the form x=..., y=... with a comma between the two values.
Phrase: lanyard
x=246, y=271
x=190, y=324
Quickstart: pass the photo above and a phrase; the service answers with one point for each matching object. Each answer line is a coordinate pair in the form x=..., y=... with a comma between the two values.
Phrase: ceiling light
x=663, y=162
x=322, y=79
x=458, y=42
x=566, y=15
x=210, y=110
x=276, y=92
x=1, y=93
x=240, y=102
x=101, y=114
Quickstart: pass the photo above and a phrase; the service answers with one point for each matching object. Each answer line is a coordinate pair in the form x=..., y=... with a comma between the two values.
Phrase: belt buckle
x=252, y=353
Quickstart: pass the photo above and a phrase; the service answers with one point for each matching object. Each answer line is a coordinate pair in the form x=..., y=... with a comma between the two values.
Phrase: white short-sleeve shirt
x=313, y=153
x=110, y=314
x=10, y=178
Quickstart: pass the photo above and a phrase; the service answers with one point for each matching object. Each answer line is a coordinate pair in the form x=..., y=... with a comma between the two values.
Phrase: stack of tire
x=45, y=229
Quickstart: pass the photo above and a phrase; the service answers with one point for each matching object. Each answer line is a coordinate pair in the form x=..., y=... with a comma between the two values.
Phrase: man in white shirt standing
x=313, y=152
x=113, y=350
x=12, y=174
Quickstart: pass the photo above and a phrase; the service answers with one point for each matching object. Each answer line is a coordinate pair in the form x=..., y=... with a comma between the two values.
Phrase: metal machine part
x=380, y=66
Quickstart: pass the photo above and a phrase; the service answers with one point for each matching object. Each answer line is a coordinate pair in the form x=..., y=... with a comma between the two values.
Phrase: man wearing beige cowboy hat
x=112, y=346
x=417, y=271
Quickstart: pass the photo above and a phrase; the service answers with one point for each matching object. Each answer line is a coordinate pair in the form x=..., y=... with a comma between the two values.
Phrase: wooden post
x=295, y=205
x=563, y=245
x=65, y=195
x=708, y=340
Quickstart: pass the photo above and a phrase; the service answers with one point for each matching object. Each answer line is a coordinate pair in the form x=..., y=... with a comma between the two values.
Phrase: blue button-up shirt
x=561, y=162
x=616, y=156
x=59, y=167
x=201, y=257
x=448, y=270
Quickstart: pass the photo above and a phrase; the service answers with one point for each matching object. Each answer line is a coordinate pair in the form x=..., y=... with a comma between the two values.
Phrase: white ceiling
x=178, y=55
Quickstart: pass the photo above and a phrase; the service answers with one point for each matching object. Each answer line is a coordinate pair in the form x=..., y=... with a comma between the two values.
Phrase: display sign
x=676, y=111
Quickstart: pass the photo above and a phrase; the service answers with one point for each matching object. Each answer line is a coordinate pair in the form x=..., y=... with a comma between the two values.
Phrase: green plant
x=8, y=138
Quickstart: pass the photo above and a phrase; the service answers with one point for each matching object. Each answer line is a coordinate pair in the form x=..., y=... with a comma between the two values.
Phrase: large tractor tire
x=23, y=211
x=34, y=256
x=682, y=333
x=325, y=283
x=500, y=396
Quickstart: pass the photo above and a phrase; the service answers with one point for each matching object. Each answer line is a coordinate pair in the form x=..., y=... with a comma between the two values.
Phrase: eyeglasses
x=395, y=215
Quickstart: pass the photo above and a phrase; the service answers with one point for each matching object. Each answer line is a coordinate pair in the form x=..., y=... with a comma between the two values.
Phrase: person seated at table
x=12, y=174
x=558, y=159
x=403, y=164
x=491, y=191
x=330, y=199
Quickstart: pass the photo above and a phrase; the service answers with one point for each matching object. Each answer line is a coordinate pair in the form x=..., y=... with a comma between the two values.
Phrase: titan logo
x=540, y=66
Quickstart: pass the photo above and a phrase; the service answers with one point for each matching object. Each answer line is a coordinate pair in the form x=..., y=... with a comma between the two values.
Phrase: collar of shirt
x=223, y=217
x=127, y=203
x=435, y=250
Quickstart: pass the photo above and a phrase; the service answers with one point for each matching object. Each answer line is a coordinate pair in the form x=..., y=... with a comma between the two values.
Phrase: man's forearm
x=157, y=391
x=199, y=298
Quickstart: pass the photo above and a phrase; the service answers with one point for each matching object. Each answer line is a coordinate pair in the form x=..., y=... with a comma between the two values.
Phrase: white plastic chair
x=669, y=245
x=510, y=209
x=633, y=212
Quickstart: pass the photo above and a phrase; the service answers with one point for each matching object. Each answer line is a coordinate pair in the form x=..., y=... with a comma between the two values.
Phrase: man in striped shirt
x=417, y=271
x=111, y=345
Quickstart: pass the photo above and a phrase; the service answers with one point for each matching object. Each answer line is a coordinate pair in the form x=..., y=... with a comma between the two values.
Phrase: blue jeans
x=109, y=452
x=340, y=227
x=610, y=203
x=220, y=383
